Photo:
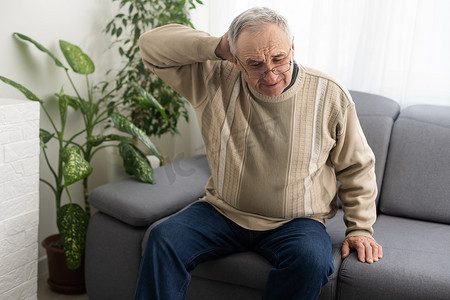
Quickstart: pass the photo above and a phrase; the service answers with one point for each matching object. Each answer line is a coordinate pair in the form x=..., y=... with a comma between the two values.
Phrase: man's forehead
x=266, y=39
x=261, y=57
x=258, y=53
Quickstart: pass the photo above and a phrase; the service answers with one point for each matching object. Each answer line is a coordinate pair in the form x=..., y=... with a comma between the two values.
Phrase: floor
x=45, y=293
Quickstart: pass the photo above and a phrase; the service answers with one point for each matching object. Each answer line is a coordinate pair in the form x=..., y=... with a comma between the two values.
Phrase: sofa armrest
x=140, y=204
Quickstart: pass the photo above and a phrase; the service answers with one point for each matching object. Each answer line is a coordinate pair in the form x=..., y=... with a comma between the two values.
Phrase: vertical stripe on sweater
x=316, y=143
x=225, y=136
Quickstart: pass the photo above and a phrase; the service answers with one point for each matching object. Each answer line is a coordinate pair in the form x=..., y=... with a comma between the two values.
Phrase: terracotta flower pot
x=61, y=279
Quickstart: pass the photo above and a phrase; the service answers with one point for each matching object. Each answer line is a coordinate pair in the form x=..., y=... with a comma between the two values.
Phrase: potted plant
x=75, y=151
x=137, y=16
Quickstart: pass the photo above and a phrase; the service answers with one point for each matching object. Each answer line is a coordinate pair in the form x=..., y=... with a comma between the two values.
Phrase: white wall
x=80, y=22
x=398, y=49
x=19, y=198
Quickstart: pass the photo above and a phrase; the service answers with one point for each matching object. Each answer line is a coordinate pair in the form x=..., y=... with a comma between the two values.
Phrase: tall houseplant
x=76, y=151
x=135, y=18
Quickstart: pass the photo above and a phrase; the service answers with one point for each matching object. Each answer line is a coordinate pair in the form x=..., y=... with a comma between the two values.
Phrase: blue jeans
x=300, y=252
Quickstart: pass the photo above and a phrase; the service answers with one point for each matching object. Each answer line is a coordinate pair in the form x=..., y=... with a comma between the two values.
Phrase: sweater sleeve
x=182, y=57
x=355, y=168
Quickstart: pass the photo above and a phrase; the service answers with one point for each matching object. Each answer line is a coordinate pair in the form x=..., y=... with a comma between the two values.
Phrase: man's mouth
x=272, y=85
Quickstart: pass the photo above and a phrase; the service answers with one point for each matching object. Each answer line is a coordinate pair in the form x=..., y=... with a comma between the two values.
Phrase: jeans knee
x=313, y=261
x=163, y=235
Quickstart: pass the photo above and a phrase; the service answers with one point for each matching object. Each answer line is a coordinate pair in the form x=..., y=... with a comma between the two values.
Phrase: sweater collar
x=294, y=76
x=289, y=91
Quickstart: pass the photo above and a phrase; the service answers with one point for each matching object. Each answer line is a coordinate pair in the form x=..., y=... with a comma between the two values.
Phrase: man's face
x=263, y=51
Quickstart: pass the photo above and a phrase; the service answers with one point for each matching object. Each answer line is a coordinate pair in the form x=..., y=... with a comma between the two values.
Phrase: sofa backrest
x=376, y=115
x=417, y=178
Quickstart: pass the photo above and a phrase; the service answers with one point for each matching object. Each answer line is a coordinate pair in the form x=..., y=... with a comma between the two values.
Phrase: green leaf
x=124, y=125
x=136, y=163
x=75, y=166
x=21, y=88
x=42, y=48
x=63, y=103
x=96, y=140
x=148, y=100
x=120, y=138
x=45, y=136
x=79, y=61
x=110, y=108
x=72, y=223
x=119, y=31
x=74, y=102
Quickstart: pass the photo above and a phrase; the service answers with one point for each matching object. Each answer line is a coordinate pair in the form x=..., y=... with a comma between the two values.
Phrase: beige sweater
x=272, y=159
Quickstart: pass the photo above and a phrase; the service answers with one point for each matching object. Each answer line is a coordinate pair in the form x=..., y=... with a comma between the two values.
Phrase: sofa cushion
x=249, y=269
x=377, y=130
x=141, y=204
x=374, y=105
x=415, y=265
x=416, y=182
x=205, y=289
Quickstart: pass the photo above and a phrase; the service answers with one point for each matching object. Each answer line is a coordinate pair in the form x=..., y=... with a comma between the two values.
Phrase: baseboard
x=42, y=265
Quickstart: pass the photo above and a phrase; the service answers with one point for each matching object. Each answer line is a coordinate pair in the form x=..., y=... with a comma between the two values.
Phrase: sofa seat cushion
x=140, y=204
x=416, y=263
x=416, y=182
x=247, y=269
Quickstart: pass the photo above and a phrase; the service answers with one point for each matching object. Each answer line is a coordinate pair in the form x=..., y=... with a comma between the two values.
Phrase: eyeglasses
x=277, y=70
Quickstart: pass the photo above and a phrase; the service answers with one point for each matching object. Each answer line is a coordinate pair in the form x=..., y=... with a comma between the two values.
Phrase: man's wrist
x=359, y=233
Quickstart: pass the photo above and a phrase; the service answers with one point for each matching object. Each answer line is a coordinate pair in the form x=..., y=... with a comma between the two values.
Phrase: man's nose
x=270, y=76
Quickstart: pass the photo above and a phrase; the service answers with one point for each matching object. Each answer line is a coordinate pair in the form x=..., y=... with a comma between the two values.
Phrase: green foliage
x=42, y=48
x=29, y=94
x=135, y=162
x=73, y=162
x=75, y=166
x=72, y=222
x=78, y=60
x=124, y=125
x=45, y=137
x=136, y=17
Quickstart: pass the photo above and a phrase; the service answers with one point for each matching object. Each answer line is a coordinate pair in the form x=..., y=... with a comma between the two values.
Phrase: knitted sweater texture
x=272, y=159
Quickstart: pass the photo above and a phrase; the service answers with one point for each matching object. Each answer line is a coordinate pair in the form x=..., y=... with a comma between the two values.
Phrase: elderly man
x=277, y=135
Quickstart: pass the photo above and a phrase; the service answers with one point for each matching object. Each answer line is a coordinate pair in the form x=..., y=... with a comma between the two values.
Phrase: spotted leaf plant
x=76, y=150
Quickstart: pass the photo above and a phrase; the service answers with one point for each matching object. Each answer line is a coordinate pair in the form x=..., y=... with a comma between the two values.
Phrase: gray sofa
x=412, y=149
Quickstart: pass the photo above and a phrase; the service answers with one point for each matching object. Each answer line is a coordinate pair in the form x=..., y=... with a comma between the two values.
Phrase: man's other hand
x=368, y=249
x=223, y=49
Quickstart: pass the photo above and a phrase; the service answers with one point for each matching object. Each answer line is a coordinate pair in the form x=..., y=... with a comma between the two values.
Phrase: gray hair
x=253, y=19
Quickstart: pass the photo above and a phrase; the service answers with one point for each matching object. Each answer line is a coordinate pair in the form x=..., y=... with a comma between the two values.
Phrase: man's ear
x=235, y=61
x=293, y=47
x=236, y=64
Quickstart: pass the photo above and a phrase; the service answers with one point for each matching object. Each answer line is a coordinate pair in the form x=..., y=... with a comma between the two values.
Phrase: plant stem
x=68, y=194
x=102, y=147
x=49, y=184
x=70, y=141
x=87, y=205
x=89, y=125
x=48, y=163
x=49, y=118
x=75, y=89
